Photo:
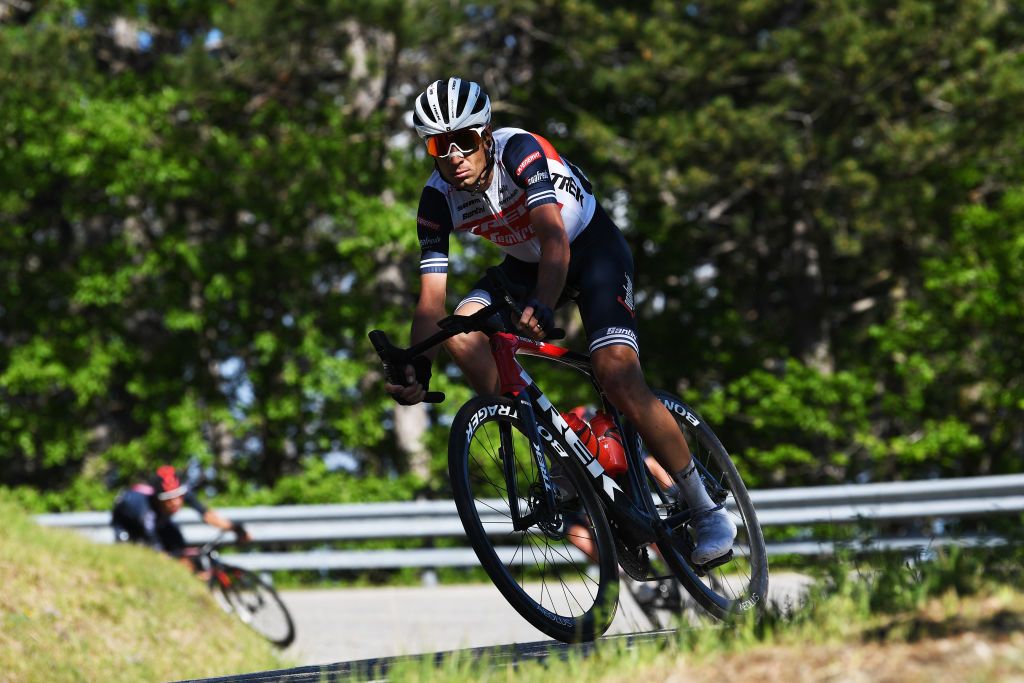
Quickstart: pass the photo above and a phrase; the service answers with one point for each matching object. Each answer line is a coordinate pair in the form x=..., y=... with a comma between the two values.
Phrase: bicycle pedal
x=702, y=569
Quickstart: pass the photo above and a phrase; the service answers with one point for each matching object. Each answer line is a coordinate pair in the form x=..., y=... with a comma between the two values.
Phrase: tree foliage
x=204, y=207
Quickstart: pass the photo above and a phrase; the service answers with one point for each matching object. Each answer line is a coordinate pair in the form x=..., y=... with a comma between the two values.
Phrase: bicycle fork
x=547, y=502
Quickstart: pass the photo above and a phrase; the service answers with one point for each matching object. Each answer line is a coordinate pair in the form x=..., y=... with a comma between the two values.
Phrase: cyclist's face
x=172, y=505
x=463, y=171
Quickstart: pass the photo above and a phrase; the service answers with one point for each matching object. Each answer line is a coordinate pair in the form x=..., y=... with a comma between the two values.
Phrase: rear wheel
x=255, y=602
x=740, y=584
x=559, y=573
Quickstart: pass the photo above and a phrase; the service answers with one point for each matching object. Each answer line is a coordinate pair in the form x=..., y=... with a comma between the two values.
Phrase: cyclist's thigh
x=127, y=532
x=602, y=270
x=127, y=528
x=519, y=273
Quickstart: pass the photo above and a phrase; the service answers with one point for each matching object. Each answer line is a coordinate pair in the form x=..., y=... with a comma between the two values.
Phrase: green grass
x=887, y=612
x=73, y=610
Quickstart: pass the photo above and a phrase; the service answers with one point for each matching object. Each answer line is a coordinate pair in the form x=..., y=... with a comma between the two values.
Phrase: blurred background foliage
x=205, y=206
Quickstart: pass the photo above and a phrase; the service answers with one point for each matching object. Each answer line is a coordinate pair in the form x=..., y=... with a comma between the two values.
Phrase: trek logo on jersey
x=537, y=177
x=567, y=184
x=427, y=223
x=526, y=162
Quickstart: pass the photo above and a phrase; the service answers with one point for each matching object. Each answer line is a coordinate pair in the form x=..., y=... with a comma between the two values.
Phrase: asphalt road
x=344, y=625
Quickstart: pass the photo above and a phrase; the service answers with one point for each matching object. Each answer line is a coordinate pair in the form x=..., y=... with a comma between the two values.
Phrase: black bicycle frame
x=542, y=422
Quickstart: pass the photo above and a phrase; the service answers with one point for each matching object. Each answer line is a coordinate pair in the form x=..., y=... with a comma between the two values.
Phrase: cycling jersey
x=528, y=173
x=137, y=517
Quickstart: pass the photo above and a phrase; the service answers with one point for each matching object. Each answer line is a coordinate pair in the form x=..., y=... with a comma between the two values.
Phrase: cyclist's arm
x=554, y=253
x=525, y=154
x=433, y=227
x=215, y=519
x=429, y=309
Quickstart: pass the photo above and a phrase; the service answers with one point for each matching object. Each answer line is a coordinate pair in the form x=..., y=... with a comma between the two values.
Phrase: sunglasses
x=465, y=140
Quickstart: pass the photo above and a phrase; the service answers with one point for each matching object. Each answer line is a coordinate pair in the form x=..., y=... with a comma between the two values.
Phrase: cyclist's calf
x=620, y=376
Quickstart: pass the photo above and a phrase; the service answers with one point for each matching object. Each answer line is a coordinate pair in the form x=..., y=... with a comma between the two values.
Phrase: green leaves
x=825, y=207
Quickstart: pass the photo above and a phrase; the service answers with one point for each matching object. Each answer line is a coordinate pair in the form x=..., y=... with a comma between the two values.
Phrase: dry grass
x=841, y=638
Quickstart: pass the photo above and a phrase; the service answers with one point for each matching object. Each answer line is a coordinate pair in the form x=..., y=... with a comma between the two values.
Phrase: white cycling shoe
x=715, y=534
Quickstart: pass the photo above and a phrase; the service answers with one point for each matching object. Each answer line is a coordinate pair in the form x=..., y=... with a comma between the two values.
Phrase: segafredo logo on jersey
x=537, y=177
x=526, y=162
x=591, y=464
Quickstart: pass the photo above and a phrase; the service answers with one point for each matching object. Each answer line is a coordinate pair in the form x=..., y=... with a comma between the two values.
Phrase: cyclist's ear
x=487, y=137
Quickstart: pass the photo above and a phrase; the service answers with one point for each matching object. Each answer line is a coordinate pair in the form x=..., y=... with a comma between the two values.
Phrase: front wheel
x=255, y=602
x=560, y=573
x=742, y=583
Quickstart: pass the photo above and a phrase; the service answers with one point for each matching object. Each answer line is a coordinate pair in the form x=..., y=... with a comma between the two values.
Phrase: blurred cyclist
x=143, y=514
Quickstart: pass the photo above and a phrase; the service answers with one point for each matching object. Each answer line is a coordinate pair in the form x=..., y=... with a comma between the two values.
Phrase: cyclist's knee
x=467, y=349
x=471, y=353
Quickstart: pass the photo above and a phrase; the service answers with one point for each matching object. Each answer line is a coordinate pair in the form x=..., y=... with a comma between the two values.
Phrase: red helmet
x=167, y=484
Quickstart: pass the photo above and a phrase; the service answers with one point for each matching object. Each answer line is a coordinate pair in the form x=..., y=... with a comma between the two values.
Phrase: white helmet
x=450, y=105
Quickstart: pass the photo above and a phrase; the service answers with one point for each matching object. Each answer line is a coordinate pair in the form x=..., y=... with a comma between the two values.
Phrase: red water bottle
x=583, y=431
x=610, y=452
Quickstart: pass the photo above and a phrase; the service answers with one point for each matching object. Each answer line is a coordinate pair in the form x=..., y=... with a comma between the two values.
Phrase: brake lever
x=394, y=360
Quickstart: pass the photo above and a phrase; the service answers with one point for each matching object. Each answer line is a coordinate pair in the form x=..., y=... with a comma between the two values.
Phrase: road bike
x=245, y=594
x=548, y=523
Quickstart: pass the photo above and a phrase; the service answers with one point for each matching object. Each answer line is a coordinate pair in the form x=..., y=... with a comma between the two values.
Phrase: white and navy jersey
x=528, y=172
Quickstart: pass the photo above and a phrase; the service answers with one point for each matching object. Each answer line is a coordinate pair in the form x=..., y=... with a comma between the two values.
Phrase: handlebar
x=394, y=359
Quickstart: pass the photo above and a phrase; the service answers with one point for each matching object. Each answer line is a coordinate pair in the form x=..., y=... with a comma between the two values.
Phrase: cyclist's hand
x=242, y=534
x=417, y=375
x=536, y=320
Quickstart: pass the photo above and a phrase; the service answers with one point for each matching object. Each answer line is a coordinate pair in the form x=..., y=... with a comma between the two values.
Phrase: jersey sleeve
x=525, y=161
x=433, y=226
x=193, y=502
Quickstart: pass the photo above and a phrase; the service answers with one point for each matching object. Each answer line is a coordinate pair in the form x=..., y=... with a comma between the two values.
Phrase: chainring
x=634, y=560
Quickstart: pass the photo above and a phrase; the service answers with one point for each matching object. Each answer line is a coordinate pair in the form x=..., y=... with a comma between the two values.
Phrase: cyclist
x=143, y=514
x=513, y=188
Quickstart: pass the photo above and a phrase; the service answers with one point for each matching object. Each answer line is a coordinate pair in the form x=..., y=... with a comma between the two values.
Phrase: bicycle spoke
x=563, y=591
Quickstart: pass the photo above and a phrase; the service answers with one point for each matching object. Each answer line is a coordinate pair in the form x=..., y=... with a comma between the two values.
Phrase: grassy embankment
x=959, y=618
x=72, y=610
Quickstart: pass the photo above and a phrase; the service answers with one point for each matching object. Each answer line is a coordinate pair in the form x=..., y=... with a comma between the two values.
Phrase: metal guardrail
x=806, y=506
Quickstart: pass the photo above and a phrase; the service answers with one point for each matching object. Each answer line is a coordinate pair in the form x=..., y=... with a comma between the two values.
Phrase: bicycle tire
x=741, y=584
x=581, y=607
x=255, y=603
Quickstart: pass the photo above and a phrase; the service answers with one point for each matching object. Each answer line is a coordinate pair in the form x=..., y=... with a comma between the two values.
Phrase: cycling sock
x=690, y=485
